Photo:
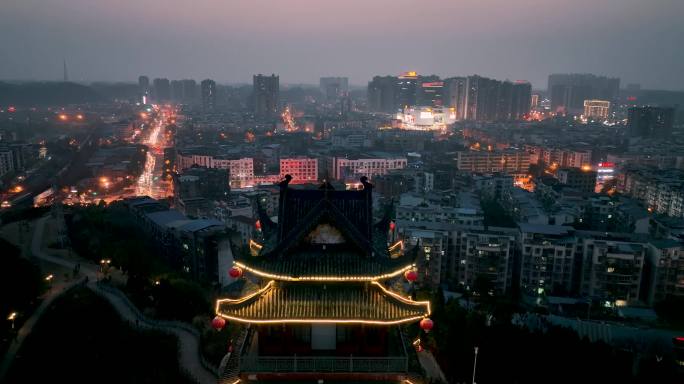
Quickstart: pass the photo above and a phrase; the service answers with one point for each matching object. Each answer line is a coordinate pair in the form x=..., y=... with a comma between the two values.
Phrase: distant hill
x=119, y=91
x=46, y=93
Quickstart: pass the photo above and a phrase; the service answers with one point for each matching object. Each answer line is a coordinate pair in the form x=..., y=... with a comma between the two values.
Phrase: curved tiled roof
x=307, y=265
x=333, y=303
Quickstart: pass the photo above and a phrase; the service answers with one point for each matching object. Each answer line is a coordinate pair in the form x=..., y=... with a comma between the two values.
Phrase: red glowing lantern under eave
x=392, y=226
x=235, y=272
x=426, y=325
x=258, y=225
x=218, y=323
x=411, y=275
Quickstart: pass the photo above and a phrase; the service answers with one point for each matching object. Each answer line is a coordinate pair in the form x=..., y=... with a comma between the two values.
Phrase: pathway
x=189, y=358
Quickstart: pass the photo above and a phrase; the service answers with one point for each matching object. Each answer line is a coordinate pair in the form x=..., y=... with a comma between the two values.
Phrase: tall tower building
x=144, y=84
x=521, y=102
x=144, y=88
x=382, y=95
x=455, y=95
x=266, y=93
x=190, y=91
x=407, y=86
x=568, y=91
x=334, y=88
x=481, y=98
x=208, y=90
x=430, y=92
x=66, y=73
x=161, y=90
x=177, y=91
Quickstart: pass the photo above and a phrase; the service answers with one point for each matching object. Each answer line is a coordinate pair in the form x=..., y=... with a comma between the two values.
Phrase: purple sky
x=229, y=40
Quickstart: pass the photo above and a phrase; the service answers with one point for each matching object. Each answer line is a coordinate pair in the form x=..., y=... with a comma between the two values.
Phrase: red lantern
x=235, y=272
x=426, y=324
x=392, y=226
x=411, y=275
x=258, y=225
x=218, y=323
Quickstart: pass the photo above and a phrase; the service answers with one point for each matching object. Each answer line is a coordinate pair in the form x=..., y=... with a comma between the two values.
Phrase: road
x=188, y=338
x=150, y=183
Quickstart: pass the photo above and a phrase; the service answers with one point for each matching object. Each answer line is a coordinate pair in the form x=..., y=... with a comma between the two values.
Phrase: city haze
x=304, y=39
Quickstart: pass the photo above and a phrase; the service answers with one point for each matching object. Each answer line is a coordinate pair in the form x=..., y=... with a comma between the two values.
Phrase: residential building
x=510, y=161
x=208, y=90
x=568, y=91
x=664, y=269
x=161, y=90
x=302, y=169
x=547, y=259
x=650, y=122
x=352, y=167
x=266, y=94
x=582, y=179
x=334, y=88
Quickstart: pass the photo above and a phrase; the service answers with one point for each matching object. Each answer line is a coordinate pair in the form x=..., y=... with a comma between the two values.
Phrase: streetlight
x=474, y=365
x=11, y=318
x=104, y=266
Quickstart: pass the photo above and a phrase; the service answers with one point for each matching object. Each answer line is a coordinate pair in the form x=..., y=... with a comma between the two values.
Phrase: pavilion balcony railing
x=265, y=364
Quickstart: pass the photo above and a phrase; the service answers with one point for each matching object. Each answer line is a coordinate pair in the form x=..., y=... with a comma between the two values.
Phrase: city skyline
x=302, y=40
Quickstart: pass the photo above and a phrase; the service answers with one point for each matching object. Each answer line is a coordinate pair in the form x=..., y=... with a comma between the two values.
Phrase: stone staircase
x=230, y=364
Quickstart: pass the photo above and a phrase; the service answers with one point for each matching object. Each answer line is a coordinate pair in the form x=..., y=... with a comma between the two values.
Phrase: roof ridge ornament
x=366, y=184
x=286, y=181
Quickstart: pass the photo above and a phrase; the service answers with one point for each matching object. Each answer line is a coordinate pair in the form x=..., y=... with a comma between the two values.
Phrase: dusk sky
x=639, y=41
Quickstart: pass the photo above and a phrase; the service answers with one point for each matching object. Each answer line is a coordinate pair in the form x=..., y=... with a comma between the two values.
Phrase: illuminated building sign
x=433, y=84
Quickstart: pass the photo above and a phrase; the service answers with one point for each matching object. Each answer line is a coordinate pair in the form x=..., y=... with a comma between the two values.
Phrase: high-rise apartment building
x=208, y=89
x=382, y=94
x=189, y=91
x=407, y=86
x=144, y=85
x=489, y=99
x=334, y=88
x=431, y=93
x=455, y=95
x=177, y=90
x=161, y=90
x=266, y=93
x=568, y=91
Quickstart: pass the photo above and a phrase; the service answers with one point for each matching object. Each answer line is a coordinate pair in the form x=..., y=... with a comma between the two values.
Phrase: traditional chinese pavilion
x=317, y=292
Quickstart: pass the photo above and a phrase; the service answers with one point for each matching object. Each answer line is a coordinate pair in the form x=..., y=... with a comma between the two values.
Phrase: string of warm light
x=403, y=299
x=324, y=278
x=328, y=321
x=245, y=298
x=323, y=321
